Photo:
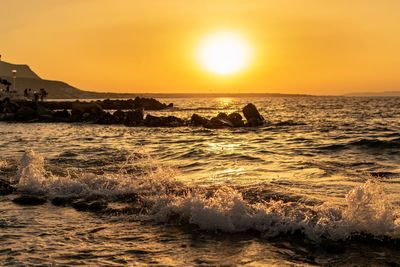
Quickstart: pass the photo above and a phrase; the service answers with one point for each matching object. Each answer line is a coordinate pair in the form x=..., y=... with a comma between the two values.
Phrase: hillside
x=27, y=78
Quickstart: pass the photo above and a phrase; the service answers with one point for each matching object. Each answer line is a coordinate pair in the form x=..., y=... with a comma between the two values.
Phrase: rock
x=169, y=121
x=86, y=112
x=116, y=104
x=62, y=201
x=222, y=116
x=25, y=113
x=29, y=200
x=134, y=118
x=7, y=117
x=252, y=116
x=62, y=115
x=172, y=121
x=44, y=113
x=91, y=206
x=197, y=120
x=236, y=119
x=220, y=121
x=152, y=121
x=6, y=188
x=7, y=106
x=119, y=116
x=216, y=123
x=148, y=104
x=106, y=118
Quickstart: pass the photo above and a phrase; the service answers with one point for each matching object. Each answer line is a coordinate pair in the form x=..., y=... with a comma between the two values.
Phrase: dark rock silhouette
x=106, y=118
x=169, y=121
x=86, y=112
x=197, y=120
x=63, y=201
x=89, y=206
x=220, y=121
x=134, y=117
x=29, y=200
x=119, y=116
x=6, y=188
x=107, y=104
x=149, y=104
x=93, y=112
x=7, y=106
x=252, y=116
x=236, y=119
x=62, y=115
x=25, y=113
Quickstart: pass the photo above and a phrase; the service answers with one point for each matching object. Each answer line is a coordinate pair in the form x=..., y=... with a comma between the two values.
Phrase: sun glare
x=224, y=53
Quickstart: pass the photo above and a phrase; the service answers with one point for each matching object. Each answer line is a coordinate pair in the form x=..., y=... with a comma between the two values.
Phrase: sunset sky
x=297, y=46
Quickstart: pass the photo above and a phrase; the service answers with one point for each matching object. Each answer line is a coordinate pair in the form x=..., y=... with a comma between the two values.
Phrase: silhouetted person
x=26, y=93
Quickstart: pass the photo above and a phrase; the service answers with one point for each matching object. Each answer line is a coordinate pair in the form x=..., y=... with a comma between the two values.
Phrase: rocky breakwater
x=127, y=112
x=78, y=111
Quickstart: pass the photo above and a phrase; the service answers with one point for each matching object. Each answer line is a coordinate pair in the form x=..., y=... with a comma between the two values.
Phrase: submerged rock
x=90, y=206
x=29, y=200
x=7, y=106
x=25, y=113
x=236, y=119
x=149, y=104
x=169, y=121
x=252, y=116
x=63, y=201
x=134, y=117
x=119, y=116
x=62, y=115
x=106, y=118
x=220, y=121
x=6, y=188
x=197, y=120
x=86, y=112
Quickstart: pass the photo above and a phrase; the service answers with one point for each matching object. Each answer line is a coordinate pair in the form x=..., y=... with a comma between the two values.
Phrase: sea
x=317, y=185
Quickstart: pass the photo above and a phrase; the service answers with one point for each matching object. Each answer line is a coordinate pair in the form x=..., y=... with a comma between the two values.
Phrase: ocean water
x=318, y=185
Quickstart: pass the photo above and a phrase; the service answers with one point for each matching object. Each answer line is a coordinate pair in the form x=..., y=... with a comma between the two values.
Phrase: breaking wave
x=366, y=211
x=366, y=144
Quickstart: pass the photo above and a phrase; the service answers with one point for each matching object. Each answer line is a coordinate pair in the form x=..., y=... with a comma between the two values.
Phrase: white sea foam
x=366, y=210
x=33, y=178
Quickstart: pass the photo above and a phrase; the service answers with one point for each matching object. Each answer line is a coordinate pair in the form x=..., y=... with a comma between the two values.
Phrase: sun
x=224, y=53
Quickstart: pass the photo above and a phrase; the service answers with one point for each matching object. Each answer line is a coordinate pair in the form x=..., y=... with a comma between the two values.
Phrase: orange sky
x=300, y=46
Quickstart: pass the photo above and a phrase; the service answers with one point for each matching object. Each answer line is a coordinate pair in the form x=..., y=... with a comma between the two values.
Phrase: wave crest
x=367, y=209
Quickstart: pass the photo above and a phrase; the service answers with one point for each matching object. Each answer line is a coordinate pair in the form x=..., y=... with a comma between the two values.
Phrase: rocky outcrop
x=252, y=116
x=107, y=104
x=93, y=112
